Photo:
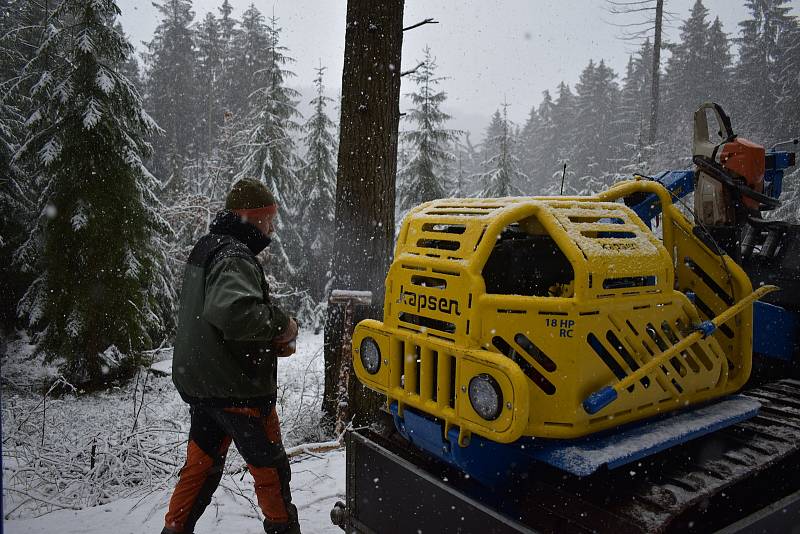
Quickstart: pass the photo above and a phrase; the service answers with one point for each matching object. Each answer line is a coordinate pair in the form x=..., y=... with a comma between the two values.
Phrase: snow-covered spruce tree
x=271, y=155
x=209, y=77
x=502, y=177
x=548, y=139
x=316, y=212
x=464, y=166
x=102, y=295
x=757, y=71
x=426, y=175
x=599, y=134
x=249, y=59
x=557, y=139
x=788, y=82
x=565, y=112
x=719, y=64
x=171, y=93
x=27, y=77
x=271, y=152
x=696, y=72
x=634, y=110
x=14, y=207
x=530, y=150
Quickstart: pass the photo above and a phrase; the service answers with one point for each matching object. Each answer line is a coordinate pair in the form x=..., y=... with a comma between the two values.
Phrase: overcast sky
x=490, y=49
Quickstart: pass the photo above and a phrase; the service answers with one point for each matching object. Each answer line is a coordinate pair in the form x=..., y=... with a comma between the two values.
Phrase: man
x=224, y=364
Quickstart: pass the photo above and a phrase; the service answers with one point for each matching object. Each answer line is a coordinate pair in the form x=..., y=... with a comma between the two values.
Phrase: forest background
x=91, y=263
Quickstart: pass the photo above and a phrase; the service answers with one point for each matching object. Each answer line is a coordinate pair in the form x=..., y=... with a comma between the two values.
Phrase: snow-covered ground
x=138, y=432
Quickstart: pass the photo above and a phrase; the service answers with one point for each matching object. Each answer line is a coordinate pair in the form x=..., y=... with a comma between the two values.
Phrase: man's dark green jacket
x=226, y=321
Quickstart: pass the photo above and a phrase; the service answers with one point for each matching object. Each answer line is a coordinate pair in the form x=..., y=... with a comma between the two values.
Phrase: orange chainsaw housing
x=745, y=159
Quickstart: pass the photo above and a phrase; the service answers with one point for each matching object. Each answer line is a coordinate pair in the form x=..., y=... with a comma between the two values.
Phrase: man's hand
x=286, y=343
x=284, y=349
x=290, y=334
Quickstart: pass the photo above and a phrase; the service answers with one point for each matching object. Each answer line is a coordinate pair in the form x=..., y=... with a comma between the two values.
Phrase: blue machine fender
x=776, y=332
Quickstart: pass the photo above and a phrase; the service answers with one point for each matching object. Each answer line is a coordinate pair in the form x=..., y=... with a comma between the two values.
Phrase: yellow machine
x=507, y=317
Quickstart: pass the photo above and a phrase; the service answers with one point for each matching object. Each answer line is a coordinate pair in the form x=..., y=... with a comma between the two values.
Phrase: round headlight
x=370, y=355
x=486, y=396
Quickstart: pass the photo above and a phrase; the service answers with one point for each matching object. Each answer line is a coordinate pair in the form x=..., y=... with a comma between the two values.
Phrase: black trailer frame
x=392, y=488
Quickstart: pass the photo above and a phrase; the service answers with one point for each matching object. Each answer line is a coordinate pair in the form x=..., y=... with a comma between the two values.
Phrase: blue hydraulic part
x=776, y=332
x=678, y=183
x=493, y=464
x=707, y=328
x=599, y=400
x=776, y=163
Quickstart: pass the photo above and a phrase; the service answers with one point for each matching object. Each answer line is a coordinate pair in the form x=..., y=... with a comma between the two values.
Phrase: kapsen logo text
x=428, y=302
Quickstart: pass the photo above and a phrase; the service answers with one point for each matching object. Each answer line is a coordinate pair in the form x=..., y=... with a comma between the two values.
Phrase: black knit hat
x=248, y=194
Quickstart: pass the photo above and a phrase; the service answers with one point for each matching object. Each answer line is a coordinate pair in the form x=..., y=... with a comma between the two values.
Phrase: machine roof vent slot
x=441, y=244
x=447, y=273
x=598, y=234
x=461, y=213
x=582, y=219
x=429, y=281
x=444, y=228
x=629, y=281
x=530, y=371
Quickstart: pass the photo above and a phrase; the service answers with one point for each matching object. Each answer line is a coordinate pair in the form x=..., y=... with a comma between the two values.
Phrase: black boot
x=290, y=527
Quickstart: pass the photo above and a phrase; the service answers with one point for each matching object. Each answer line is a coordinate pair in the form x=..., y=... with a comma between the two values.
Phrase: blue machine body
x=493, y=463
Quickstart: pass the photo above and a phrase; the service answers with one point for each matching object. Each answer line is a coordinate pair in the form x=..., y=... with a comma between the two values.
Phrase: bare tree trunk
x=365, y=188
x=656, y=74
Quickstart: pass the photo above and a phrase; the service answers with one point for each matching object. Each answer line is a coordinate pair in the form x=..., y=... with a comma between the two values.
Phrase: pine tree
x=565, y=113
x=549, y=144
x=635, y=105
x=598, y=135
x=31, y=25
x=788, y=83
x=271, y=157
x=228, y=35
x=251, y=59
x=686, y=82
x=102, y=295
x=209, y=77
x=530, y=149
x=271, y=153
x=14, y=207
x=756, y=72
x=319, y=190
x=425, y=177
x=172, y=91
x=718, y=64
x=502, y=177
